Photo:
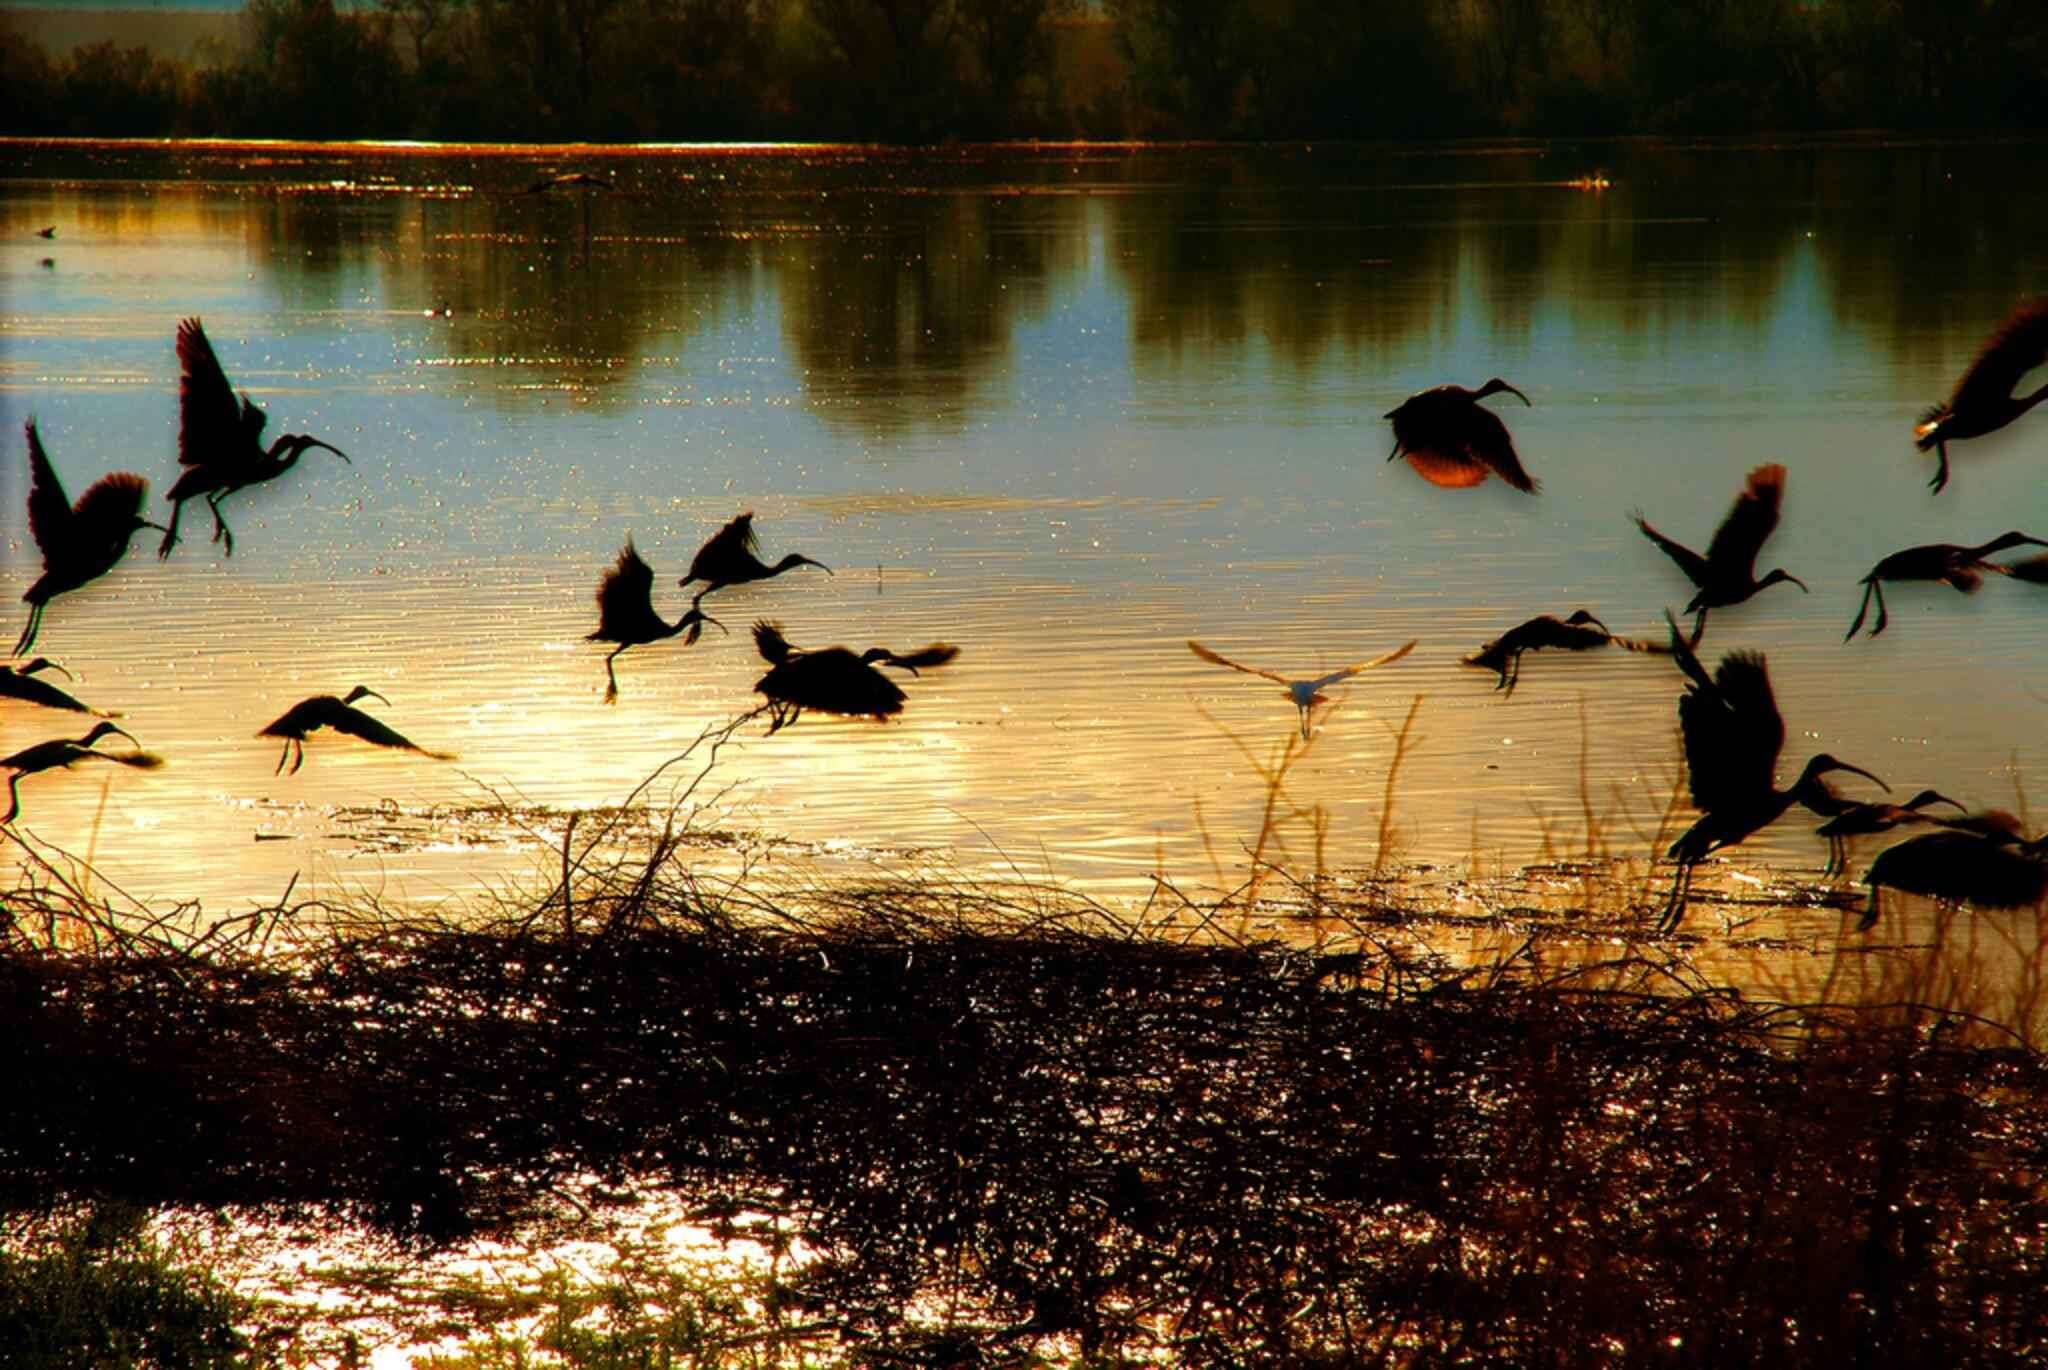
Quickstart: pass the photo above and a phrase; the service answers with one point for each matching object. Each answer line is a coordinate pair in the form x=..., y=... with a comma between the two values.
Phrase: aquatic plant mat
x=1007, y=1127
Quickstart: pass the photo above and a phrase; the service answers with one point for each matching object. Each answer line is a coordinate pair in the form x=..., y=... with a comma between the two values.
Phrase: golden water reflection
x=1066, y=407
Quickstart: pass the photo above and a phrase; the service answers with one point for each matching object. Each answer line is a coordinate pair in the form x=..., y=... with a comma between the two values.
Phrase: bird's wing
x=1451, y=471
x=1692, y=563
x=770, y=642
x=627, y=589
x=1486, y=437
x=741, y=529
x=49, y=511
x=210, y=421
x=1203, y=652
x=1741, y=535
x=1345, y=673
x=1732, y=734
x=924, y=658
x=2019, y=345
x=111, y=504
x=348, y=719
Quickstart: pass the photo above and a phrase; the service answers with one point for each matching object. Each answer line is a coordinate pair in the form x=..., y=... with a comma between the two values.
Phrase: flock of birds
x=1733, y=731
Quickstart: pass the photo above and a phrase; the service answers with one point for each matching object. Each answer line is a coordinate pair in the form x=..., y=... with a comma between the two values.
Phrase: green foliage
x=102, y=1294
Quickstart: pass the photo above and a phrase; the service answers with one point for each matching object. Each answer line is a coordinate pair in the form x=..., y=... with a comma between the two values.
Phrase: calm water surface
x=1065, y=407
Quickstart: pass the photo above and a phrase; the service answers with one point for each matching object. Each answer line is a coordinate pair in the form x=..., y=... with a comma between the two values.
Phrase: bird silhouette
x=1306, y=694
x=325, y=711
x=1579, y=633
x=79, y=542
x=64, y=752
x=1860, y=820
x=1727, y=573
x=49, y=232
x=19, y=682
x=833, y=680
x=625, y=613
x=1984, y=400
x=1945, y=562
x=732, y=557
x=1990, y=866
x=1733, y=734
x=220, y=439
x=1452, y=441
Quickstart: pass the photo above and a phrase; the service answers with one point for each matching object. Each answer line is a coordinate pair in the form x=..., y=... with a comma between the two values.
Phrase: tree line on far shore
x=916, y=71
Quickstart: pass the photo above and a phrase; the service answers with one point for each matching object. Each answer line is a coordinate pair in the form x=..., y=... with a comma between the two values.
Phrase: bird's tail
x=141, y=761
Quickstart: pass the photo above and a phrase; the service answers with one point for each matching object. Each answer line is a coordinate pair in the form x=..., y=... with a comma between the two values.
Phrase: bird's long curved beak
x=329, y=447
x=43, y=663
x=1517, y=394
x=819, y=564
x=1845, y=766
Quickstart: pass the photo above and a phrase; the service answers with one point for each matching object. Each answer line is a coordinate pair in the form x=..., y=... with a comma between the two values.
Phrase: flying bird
x=64, y=752
x=49, y=232
x=325, y=711
x=625, y=613
x=1860, y=820
x=732, y=557
x=19, y=682
x=1306, y=694
x=1579, y=633
x=1733, y=734
x=1944, y=562
x=1993, y=867
x=833, y=680
x=1984, y=400
x=568, y=180
x=1727, y=573
x=220, y=439
x=1452, y=441
x=79, y=542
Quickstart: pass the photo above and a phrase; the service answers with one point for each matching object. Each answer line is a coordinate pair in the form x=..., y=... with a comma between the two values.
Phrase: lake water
x=1066, y=407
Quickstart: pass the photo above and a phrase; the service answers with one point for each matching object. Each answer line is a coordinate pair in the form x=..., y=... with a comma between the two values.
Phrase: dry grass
x=1014, y=1121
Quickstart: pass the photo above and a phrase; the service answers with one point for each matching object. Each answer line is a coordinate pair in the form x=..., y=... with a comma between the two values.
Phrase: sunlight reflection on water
x=1066, y=408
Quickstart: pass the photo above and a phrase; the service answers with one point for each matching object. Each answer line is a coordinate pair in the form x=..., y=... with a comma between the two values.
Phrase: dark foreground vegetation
x=1013, y=1125
x=927, y=70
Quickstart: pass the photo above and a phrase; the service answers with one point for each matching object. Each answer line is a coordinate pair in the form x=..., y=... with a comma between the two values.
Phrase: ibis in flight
x=1581, y=632
x=64, y=752
x=1452, y=440
x=79, y=542
x=1306, y=694
x=220, y=439
x=1943, y=562
x=20, y=682
x=625, y=613
x=834, y=680
x=1986, y=399
x=732, y=557
x=1733, y=734
x=325, y=711
x=1727, y=573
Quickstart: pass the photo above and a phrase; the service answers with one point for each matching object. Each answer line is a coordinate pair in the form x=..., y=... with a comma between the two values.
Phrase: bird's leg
x=1838, y=856
x=283, y=756
x=171, y=533
x=28, y=634
x=1940, y=480
x=1869, y=919
x=221, y=533
x=298, y=754
x=1699, y=624
x=611, y=681
x=13, y=798
x=1882, y=618
x=1512, y=676
x=1869, y=588
x=1674, y=908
